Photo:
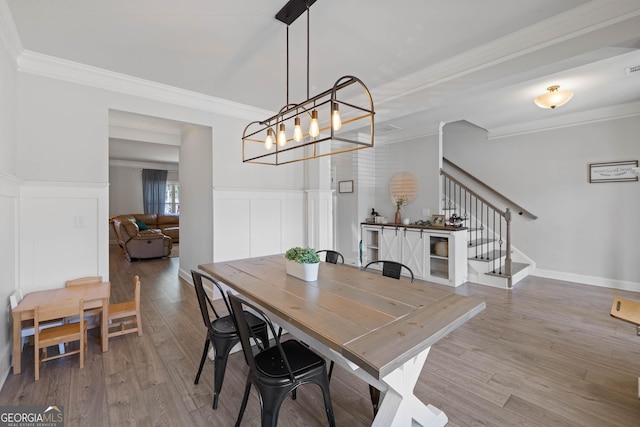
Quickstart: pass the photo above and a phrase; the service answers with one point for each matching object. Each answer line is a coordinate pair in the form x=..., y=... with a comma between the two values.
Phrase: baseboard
x=587, y=280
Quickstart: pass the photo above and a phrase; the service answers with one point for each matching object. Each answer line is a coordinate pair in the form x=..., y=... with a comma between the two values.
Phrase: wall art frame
x=345, y=186
x=613, y=171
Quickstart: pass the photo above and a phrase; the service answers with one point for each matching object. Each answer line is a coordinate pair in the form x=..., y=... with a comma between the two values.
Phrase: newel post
x=507, y=260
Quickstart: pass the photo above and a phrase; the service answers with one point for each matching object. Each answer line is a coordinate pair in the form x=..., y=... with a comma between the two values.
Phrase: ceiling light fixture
x=553, y=98
x=336, y=109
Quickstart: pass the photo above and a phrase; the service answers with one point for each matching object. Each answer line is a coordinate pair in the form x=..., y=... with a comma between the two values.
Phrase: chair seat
x=225, y=325
x=60, y=334
x=270, y=363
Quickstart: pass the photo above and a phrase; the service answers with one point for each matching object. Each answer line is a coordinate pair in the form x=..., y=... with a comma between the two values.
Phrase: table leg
x=399, y=406
x=17, y=344
x=104, y=325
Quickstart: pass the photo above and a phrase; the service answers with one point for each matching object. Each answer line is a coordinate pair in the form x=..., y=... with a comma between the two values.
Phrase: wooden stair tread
x=516, y=267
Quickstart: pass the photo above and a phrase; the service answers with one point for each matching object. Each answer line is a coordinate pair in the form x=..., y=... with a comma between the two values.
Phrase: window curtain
x=154, y=190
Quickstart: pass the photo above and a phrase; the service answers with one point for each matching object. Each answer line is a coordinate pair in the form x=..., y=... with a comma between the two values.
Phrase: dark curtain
x=154, y=187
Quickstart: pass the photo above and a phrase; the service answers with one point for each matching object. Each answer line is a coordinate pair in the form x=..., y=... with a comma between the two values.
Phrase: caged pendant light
x=334, y=121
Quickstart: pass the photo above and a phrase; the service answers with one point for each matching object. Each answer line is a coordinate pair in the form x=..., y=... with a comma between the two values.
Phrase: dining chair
x=65, y=333
x=278, y=370
x=88, y=280
x=123, y=314
x=221, y=331
x=332, y=256
x=627, y=310
x=391, y=268
x=26, y=328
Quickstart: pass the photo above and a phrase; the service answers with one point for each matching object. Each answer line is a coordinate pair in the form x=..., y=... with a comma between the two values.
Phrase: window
x=172, y=199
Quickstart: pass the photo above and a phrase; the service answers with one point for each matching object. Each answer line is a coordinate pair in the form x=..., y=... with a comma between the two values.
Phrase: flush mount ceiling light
x=553, y=98
x=328, y=123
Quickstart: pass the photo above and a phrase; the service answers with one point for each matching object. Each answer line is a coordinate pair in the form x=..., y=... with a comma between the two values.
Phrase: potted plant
x=302, y=263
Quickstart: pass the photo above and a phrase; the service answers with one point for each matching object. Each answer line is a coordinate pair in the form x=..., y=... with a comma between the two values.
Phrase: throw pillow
x=142, y=225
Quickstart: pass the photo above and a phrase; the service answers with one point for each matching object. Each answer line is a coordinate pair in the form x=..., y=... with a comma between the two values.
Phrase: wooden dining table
x=379, y=329
x=94, y=296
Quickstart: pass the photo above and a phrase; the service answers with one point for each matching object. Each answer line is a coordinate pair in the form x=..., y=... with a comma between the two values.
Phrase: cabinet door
x=413, y=251
x=390, y=244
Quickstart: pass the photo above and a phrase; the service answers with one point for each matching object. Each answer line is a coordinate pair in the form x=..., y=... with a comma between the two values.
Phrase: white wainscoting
x=64, y=233
x=251, y=223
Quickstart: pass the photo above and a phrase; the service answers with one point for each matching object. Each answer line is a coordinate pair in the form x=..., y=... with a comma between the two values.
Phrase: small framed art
x=345, y=187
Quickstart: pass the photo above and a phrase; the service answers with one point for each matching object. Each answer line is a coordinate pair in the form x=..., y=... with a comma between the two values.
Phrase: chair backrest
x=245, y=333
x=627, y=310
x=14, y=299
x=391, y=269
x=203, y=299
x=58, y=310
x=88, y=280
x=332, y=256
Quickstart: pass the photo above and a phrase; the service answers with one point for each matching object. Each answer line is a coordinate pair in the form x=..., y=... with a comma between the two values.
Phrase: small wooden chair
x=69, y=332
x=121, y=314
x=629, y=311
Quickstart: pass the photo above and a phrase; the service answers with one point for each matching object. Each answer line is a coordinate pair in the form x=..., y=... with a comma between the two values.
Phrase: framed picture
x=613, y=171
x=437, y=220
x=345, y=187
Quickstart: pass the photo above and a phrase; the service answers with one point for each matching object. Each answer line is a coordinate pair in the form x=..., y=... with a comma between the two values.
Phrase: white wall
x=585, y=232
x=196, y=198
x=9, y=199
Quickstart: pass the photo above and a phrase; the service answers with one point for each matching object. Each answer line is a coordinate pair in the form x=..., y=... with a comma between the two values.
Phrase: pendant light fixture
x=346, y=107
x=553, y=98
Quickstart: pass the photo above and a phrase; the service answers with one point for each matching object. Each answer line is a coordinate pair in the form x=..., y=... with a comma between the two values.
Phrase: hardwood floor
x=546, y=353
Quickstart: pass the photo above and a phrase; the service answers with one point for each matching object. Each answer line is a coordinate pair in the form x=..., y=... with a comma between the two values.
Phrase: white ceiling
x=424, y=61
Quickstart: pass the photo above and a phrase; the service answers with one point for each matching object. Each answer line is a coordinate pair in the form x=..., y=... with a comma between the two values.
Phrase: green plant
x=302, y=255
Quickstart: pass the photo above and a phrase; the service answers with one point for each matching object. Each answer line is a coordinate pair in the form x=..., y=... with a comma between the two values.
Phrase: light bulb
x=268, y=141
x=336, y=121
x=314, y=128
x=282, y=136
x=297, y=130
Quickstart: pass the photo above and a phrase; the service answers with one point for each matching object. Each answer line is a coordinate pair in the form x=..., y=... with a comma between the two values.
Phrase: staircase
x=492, y=260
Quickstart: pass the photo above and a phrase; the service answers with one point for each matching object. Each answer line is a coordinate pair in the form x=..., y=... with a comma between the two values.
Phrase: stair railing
x=485, y=221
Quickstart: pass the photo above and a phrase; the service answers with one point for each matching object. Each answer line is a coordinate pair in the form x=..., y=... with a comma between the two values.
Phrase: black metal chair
x=278, y=370
x=221, y=332
x=332, y=256
x=391, y=268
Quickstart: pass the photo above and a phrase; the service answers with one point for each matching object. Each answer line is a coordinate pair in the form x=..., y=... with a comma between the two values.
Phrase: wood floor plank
x=546, y=353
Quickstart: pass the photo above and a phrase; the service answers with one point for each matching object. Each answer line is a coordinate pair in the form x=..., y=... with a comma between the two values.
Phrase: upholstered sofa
x=144, y=236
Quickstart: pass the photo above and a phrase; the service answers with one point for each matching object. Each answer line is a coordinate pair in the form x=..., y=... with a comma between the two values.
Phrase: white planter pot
x=306, y=272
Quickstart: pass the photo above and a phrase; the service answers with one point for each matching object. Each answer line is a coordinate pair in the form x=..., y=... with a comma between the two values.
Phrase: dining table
x=378, y=328
x=94, y=295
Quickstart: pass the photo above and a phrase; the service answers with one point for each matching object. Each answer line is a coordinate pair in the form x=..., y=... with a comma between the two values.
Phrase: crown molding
x=615, y=112
x=61, y=69
x=134, y=164
x=143, y=123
